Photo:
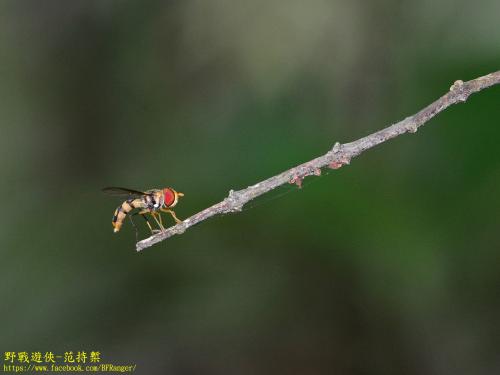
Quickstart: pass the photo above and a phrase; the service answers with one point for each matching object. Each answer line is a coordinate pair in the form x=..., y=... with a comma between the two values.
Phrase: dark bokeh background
x=388, y=266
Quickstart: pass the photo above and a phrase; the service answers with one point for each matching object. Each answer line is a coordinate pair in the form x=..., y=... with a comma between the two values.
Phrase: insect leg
x=158, y=222
x=159, y=217
x=143, y=214
x=171, y=213
x=135, y=227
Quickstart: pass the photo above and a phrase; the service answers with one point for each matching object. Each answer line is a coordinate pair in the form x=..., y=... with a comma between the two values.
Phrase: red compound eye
x=168, y=196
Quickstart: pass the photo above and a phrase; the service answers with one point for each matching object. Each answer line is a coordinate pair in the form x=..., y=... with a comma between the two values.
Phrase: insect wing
x=123, y=192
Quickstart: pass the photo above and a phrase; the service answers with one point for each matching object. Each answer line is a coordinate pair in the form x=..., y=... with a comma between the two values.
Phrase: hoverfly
x=150, y=202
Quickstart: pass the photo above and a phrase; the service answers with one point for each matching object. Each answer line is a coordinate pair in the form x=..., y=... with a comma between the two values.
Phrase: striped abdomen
x=122, y=211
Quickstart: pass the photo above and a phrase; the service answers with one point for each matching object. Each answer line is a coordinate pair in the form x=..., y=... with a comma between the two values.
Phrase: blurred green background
x=388, y=266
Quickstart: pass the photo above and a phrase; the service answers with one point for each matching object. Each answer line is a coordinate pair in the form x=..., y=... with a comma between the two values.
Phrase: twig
x=339, y=155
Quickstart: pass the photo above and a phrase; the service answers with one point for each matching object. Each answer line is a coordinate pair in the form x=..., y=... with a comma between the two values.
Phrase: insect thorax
x=153, y=201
